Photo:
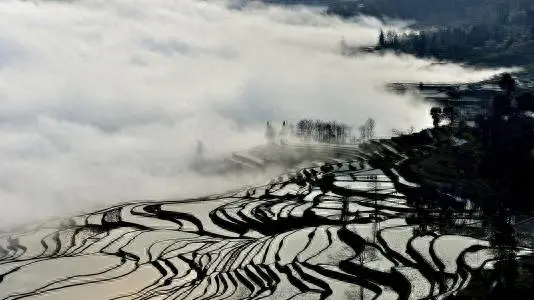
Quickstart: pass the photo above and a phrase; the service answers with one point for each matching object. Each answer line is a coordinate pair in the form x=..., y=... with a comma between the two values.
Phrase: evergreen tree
x=396, y=42
x=419, y=44
x=283, y=132
x=449, y=112
x=381, y=39
x=391, y=38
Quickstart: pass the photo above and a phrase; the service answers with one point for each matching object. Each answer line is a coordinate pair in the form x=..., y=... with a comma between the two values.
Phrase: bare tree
x=367, y=130
x=399, y=132
x=370, y=128
x=362, y=133
x=322, y=131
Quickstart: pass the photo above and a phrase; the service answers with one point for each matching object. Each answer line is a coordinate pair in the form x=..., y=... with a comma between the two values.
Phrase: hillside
x=477, y=32
x=439, y=12
x=345, y=227
x=489, y=33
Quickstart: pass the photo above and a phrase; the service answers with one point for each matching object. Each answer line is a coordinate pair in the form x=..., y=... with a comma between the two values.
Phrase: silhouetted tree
x=283, y=131
x=390, y=36
x=321, y=131
x=435, y=112
x=362, y=132
x=420, y=44
x=381, y=39
x=396, y=41
x=370, y=128
x=507, y=83
x=449, y=113
x=304, y=129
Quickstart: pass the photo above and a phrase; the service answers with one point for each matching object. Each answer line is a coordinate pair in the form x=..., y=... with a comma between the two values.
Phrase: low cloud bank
x=104, y=101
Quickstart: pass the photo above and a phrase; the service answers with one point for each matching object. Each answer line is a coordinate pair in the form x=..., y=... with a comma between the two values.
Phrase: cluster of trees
x=504, y=35
x=455, y=43
x=322, y=131
x=399, y=132
x=480, y=43
x=439, y=114
x=506, y=165
x=477, y=31
x=367, y=130
x=510, y=102
x=508, y=144
x=507, y=141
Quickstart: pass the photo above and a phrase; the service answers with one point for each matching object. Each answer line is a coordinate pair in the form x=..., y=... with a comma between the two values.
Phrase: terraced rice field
x=299, y=237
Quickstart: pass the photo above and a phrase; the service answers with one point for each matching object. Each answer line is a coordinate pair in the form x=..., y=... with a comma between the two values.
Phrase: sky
x=103, y=101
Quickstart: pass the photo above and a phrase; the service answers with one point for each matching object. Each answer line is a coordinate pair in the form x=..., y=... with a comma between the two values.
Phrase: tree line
x=321, y=131
x=480, y=43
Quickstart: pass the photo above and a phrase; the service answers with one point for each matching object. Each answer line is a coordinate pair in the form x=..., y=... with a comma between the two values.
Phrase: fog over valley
x=104, y=101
